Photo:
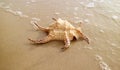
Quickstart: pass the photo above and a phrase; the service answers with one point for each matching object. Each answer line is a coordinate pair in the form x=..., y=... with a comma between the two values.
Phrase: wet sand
x=101, y=24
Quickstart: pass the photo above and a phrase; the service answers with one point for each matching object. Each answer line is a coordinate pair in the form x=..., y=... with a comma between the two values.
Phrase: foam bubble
x=11, y=11
x=35, y=19
x=8, y=9
x=90, y=5
x=95, y=38
x=114, y=17
x=18, y=13
x=102, y=64
x=98, y=57
x=21, y=14
x=89, y=14
x=86, y=20
x=81, y=3
x=57, y=13
x=113, y=44
x=28, y=2
x=102, y=31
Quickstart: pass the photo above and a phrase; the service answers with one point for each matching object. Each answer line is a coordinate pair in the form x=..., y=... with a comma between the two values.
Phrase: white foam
x=89, y=14
x=103, y=65
x=95, y=38
x=90, y=5
x=2, y=5
x=17, y=13
x=11, y=11
x=8, y=9
x=114, y=17
x=81, y=3
x=113, y=44
x=5, y=6
x=98, y=57
x=86, y=20
x=36, y=19
x=57, y=13
x=28, y=2
x=102, y=31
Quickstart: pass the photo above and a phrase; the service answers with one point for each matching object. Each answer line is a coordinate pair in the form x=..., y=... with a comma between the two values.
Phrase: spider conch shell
x=61, y=30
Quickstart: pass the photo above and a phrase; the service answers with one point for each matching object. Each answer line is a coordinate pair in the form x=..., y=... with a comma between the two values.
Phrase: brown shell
x=61, y=30
x=59, y=27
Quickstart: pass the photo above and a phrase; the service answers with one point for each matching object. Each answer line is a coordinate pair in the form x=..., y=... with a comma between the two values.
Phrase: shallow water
x=101, y=20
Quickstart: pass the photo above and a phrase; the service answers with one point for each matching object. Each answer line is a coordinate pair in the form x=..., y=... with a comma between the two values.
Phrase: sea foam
x=102, y=64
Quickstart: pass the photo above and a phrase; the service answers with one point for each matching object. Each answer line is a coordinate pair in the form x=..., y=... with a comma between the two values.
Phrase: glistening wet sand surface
x=101, y=24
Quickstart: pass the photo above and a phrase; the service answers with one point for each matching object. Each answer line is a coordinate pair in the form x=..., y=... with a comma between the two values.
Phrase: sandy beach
x=101, y=24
